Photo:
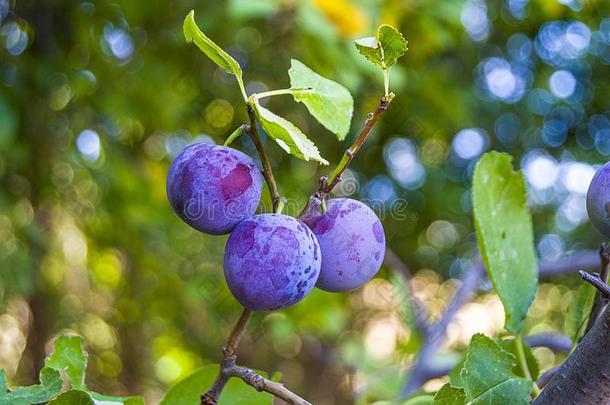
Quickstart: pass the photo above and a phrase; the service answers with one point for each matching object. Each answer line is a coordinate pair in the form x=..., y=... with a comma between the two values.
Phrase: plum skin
x=598, y=200
x=271, y=261
x=352, y=243
x=213, y=188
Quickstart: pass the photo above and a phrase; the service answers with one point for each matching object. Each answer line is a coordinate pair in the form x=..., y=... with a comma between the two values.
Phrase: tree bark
x=584, y=378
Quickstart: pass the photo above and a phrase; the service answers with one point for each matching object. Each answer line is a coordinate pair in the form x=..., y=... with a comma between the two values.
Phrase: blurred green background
x=96, y=97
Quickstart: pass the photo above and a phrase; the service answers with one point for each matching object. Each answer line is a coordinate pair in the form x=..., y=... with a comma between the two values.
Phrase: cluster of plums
x=272, y=261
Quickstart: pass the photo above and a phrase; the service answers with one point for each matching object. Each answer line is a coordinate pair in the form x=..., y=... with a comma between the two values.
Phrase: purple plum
x=598, y=200
x=271, y=261
x=352, y=243
x=213, y=188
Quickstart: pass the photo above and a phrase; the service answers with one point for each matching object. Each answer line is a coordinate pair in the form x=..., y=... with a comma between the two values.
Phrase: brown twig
x=229, y=368
x=262, y=384
x=262, y=153
x=229, y=351
x=600, y=301
x=335, y=177
x=328, y=183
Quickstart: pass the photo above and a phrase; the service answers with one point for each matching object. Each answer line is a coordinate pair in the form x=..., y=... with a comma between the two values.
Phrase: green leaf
x=329, y=102
x=419, y=398
x=488, y=378
x=287, y=135
x=532, y=364
x=504, y=234
x=73, y=397
x=579, y=312
x=449, y=395
x=69, y=357
x=110, y=400
x=236, y=392
x=50, y=385
x=384, y=49
x=192, y=33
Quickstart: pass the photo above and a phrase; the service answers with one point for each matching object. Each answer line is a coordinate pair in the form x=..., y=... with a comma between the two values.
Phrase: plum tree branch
x=262, y=384
x=584, y=378
x=229, y=368
x=585, y=375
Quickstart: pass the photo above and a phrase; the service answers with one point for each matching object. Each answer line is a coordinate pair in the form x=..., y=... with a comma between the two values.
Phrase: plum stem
x=323, y=206
x=235, y=134
x=519, y=348
x=281, y=204
x=267, y=171
x=292, y=90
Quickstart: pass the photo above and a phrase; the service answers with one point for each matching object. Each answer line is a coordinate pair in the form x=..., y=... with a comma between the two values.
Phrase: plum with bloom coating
x=598, y=200
x=271, y=261
x=213, y=188
x=352, y=243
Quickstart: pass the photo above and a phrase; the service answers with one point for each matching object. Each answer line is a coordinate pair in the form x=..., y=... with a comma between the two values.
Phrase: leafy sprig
x=62, y=380
x=329, y=103
x=383, y=50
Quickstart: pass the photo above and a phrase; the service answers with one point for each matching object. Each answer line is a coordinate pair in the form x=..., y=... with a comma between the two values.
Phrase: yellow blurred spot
x=74, y=245
x=545, y=356
x=60, y=97
x=485, y=315
x=435, y=384
x=442, y=234
x=381, y=335
x=52, y=271
x=380, y=294
x=289, y=347
x=99, y=334
x=347, y=17
x=174, y=364
x=107, y=270
x=13, y=331
x=109, y=364
x=219, y=114
x=433, y=152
